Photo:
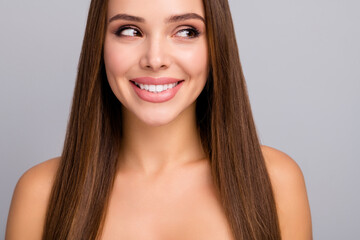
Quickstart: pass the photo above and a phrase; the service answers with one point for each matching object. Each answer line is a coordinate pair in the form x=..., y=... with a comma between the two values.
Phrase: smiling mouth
x=156, y=88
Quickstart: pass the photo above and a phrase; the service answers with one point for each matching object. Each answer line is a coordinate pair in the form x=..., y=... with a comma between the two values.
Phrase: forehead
x=150, y=9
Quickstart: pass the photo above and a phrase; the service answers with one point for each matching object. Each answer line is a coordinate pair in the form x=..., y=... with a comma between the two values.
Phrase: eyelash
x=122, y=28
x=191, y=30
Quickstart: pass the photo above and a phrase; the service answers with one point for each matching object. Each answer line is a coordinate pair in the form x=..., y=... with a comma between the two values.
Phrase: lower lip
x=156, y=97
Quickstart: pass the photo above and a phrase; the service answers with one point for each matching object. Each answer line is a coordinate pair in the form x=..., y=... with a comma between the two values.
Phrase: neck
x=155, y=149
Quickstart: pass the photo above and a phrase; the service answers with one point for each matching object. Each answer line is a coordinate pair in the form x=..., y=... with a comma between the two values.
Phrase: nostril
x=153, y=67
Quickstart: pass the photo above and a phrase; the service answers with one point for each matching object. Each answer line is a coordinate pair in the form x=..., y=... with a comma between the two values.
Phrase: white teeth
x=159, y=88
x=152, y=88
x=156, y=88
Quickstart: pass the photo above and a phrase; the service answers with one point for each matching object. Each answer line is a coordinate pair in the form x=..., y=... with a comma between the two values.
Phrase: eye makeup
x=127, y=31
x=189, y=32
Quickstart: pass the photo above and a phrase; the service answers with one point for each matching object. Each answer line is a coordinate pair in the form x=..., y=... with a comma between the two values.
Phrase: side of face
x=151, y=43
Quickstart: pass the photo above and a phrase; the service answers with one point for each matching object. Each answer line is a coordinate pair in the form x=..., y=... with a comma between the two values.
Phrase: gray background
x=301, y=61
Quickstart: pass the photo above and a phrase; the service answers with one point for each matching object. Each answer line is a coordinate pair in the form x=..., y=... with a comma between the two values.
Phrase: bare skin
x=176, y=204
x=163, y=188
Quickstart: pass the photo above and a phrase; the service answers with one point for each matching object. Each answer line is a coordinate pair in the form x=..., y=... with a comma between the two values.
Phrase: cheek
x=118, y=59
x=195, y=61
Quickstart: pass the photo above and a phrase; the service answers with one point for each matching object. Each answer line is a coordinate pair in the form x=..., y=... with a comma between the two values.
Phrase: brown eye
x=188, y=33
x=128, y=32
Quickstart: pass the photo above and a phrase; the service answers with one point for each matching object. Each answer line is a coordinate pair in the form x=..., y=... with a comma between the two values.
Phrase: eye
x=128, y=31
x=188, y=33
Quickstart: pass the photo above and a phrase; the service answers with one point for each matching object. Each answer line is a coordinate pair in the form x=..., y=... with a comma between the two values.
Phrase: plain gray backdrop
x=301, y=61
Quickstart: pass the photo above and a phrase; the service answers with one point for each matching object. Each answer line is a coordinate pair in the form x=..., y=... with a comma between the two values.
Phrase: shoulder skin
x=28, y=207
x=29, y=203
x=290, y=195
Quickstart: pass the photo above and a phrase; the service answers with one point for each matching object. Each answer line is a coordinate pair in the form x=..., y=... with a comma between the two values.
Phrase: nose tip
x=156, y=66
x=155, y=56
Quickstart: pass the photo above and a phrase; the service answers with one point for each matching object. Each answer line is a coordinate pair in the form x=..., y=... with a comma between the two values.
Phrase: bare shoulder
x=290, y=195
x=29, y=202
x=280, y=166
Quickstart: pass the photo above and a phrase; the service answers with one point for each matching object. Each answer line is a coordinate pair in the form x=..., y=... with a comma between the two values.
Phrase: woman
x=161, y=143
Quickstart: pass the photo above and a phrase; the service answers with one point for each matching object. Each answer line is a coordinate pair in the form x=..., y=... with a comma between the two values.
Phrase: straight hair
x=84, y=180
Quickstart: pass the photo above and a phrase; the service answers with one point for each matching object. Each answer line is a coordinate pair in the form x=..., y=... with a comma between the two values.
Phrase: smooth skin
x=27, y=211
x=163, y=188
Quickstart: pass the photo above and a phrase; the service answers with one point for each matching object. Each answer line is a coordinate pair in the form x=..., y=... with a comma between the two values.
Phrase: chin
x=158, y=118
x=153, y=116
x=156, y=122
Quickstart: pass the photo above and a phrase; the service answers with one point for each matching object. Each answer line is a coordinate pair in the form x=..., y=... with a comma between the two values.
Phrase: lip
x=156, y=97
x=155, y=81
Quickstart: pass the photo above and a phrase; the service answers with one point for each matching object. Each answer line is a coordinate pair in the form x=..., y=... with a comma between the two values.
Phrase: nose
x=156, y=55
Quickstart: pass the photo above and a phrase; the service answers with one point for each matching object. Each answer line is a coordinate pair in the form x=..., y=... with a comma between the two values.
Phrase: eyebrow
x=183, y=17
x=123, y=16
x=171, y=19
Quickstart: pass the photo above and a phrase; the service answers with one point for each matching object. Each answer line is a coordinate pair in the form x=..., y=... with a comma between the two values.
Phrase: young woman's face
x=156, y=56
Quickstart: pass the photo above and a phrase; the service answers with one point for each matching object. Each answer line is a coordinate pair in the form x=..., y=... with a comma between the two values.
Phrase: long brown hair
x=84, y=179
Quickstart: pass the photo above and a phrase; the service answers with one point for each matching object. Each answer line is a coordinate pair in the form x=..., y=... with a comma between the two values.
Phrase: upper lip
x=155, y=81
